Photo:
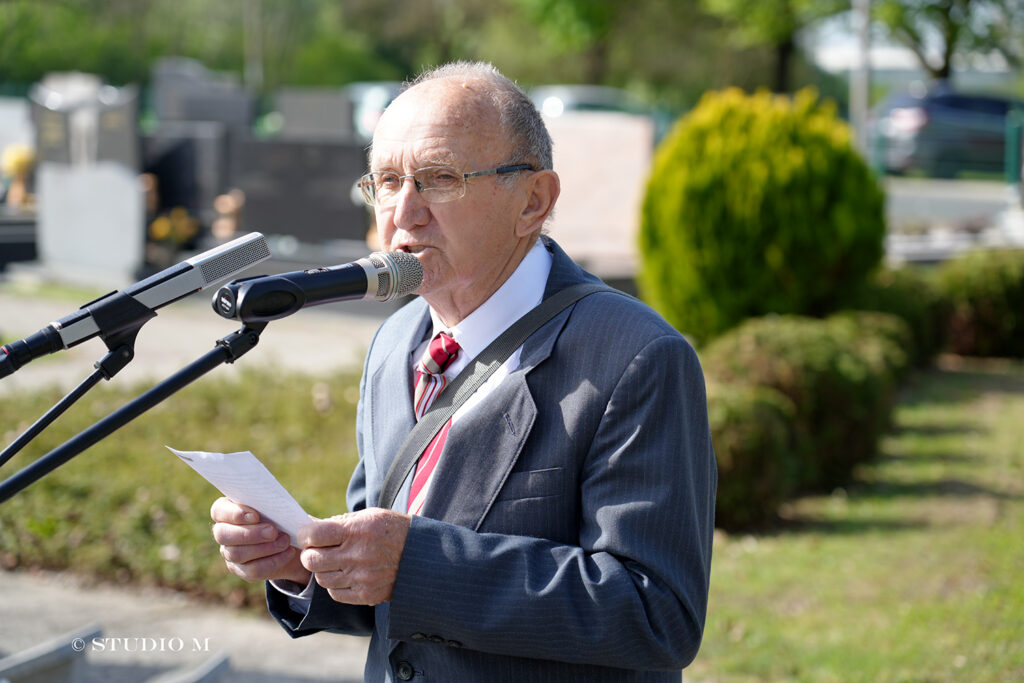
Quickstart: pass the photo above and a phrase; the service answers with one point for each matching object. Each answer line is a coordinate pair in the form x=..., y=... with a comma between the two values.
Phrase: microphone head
x=230, y=258
x=398, y=273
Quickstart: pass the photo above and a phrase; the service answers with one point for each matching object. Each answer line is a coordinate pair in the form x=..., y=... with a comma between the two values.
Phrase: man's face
x=464, y=245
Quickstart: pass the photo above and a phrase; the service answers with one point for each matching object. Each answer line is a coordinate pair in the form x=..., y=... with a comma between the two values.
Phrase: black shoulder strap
x=470, y=379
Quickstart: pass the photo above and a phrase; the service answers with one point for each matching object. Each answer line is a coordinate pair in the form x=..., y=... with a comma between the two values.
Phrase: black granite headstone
x=184, y=90
x=189, y=160
x=300, y=188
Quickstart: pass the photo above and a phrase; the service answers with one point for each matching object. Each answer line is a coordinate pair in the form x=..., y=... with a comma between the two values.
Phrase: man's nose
x=410, y=207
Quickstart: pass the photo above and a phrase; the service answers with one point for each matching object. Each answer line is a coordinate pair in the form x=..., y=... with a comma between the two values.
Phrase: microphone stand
x=227, y=350
x=119, y=318
x=106, y=368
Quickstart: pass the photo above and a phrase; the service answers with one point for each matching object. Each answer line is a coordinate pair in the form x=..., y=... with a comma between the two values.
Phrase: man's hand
x=253, y=550
x=355, y=556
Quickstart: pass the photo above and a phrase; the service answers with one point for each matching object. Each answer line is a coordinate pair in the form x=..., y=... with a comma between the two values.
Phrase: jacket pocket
x=533, y=484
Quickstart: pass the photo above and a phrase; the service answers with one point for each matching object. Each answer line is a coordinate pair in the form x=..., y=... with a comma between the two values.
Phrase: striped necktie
x=430, y=381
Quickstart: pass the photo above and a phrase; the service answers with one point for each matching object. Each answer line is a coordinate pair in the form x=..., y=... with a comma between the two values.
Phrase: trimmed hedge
x=796, y=403
x=840, y=375
x=757, y=204
x=883, y=340
x=912, y=294
x=985, y=295
x=752, y=429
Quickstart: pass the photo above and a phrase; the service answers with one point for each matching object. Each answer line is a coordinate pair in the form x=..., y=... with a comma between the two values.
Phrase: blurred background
x=157, y=127
x=823, y=195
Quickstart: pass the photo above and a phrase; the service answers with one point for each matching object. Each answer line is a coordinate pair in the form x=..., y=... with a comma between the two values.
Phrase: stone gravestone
x=189, y=160
x=602, y=159
x=17, y=225
x=314, y=114
x=89, y=203
x=15, y=122
x=301, y=189
x=185, y=90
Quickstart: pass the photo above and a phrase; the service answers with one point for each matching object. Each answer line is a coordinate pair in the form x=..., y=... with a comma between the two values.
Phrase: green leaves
x=939, y=31
x=757, y=204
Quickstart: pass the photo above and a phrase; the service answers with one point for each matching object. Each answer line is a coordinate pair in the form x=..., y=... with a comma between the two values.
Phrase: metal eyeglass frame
x=366, y=186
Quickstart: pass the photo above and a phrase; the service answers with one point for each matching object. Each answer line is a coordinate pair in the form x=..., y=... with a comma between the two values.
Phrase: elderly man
x=559, y=526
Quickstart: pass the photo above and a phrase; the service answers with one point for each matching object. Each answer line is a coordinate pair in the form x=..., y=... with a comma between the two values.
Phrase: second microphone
x=383, y=276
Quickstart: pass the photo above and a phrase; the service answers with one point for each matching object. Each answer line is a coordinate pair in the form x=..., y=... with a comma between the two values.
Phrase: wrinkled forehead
x=440, y=122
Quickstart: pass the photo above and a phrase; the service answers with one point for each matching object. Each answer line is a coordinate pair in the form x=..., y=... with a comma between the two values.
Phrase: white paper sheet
x=244, y=479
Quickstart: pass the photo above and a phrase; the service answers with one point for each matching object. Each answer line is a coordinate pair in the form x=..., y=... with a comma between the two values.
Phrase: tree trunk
x=783, y=60
x=595, y=64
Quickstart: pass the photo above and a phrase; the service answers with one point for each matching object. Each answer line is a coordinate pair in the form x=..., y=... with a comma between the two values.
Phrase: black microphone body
x=130, y=308
x=382, y=276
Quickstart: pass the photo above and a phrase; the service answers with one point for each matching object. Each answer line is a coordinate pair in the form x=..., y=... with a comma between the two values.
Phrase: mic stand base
x=227, y=350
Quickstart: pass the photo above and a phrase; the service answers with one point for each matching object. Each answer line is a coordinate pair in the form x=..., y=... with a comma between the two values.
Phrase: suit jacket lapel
x=479, y=453
x=482, y=448
x=390, y=397
x=484, y=445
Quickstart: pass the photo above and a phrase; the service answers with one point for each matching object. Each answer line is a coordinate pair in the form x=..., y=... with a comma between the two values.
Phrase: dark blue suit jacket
x=568, y=531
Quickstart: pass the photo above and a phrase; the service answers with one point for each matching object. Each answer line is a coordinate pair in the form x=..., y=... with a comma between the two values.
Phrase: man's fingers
x=326, y=559
x=250, y=534
x=346, y=595
x=324, y=532
x=230, y=512
x=263, y=568
x=335, y=579
x=354, y=589
x=241, y=554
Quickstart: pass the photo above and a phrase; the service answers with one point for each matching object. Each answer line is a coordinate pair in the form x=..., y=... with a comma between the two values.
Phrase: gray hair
x=518, y=116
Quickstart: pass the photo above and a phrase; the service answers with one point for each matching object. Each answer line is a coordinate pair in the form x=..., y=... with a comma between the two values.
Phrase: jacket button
x=405, y=672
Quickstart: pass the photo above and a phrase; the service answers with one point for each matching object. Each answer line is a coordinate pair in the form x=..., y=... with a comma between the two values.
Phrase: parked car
x=943, y=133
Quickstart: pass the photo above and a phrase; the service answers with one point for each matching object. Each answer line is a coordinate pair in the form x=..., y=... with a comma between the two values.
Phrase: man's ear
x=544, y=189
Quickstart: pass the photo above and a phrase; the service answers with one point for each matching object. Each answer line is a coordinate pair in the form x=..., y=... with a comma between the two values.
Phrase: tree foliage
x=954, y=28
x=774, y=23
x=580, y=25
x=667, y=52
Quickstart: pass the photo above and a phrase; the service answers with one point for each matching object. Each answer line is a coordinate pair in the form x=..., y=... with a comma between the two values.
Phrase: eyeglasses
x=435, y=183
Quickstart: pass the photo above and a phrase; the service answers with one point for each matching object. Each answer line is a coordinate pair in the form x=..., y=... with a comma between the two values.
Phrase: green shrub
x=909, y=293
x=985, y=292
x=757, y=204
x=752, y=430
x=883, y=340
x=836, y=381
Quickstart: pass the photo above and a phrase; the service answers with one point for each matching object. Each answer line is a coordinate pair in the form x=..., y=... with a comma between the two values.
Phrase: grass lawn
x=912, y=573
x=128, y=510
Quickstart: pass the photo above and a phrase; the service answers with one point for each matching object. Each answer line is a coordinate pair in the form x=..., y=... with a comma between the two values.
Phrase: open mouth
x=411, y=249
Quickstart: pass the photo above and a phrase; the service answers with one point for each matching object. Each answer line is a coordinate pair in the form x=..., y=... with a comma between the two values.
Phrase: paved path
x=316, y=339
x=35, y=607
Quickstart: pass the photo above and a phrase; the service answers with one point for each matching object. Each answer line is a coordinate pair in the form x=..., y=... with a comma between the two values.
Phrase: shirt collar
x=521, y=292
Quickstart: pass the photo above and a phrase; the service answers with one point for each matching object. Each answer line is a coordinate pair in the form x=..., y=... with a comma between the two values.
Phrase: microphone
x=125, y=311
x=383, y=275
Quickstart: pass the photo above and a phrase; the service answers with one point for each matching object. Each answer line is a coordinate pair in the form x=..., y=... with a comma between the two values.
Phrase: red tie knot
x=442, y=350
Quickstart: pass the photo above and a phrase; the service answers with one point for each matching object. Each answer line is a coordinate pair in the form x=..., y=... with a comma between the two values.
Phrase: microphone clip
x=119, y=317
